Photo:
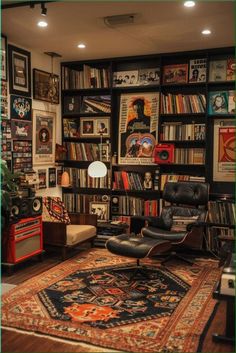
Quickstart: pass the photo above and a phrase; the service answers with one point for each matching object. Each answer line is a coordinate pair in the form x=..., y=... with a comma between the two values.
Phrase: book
x=230, y=69
x=197, y=70
x=175, y=73
x=217, y=70
x=218, y=102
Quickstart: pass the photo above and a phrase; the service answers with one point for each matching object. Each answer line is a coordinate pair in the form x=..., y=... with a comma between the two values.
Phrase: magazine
x=175, y=73
x=125, y=78
x=197, y=70
x=217, y=70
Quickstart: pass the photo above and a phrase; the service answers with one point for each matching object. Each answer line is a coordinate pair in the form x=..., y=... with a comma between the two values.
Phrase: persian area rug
x=91, y=299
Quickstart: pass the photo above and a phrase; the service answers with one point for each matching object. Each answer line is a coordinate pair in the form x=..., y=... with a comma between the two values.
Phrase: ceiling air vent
x=117, y=20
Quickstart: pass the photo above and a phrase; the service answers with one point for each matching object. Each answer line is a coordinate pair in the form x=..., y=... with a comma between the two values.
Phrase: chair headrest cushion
x=186, y=193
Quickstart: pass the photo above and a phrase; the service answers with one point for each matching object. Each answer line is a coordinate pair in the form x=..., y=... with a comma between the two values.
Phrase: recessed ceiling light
x=42, y=24
x=206, y=32
x=81, y=46
x=189, y=3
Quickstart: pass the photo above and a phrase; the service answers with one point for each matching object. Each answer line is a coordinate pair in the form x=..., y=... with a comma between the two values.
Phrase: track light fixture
x=43, y=9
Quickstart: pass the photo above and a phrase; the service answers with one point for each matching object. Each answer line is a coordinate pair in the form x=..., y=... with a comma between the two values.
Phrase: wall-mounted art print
x=21, y=130
x=224, y=150
x=71, y=104
x=20, y=107
x=20, y=71
x=45, y=86
x=138, y=127
x=101, y=209
x=44, y=137
x=4, y=57
x=4, y=100
x=95, y=127
x=42, y=176
x=59, y=175
x=51, y=177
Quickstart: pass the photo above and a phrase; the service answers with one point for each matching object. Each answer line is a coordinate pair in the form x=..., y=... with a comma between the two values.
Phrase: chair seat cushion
x=133, y=246
x=79, y=233
x=158, y=233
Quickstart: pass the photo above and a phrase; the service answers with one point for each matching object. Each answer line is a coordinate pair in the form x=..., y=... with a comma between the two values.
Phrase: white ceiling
x=160, y=27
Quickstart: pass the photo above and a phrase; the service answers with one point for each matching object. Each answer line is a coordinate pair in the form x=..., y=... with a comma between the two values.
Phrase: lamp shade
x=97, y=169
x=65, y=179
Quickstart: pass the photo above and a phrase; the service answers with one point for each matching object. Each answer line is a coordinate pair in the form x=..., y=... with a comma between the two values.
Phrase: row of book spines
x=89, y=77
x=127, y=181
x=179, y=103
x=221, y=212
x=189, y=156
x=213, y=235
x=79, y=203
x=80, y=178
x=182, y=132
x=82, y=151
x=177, y=177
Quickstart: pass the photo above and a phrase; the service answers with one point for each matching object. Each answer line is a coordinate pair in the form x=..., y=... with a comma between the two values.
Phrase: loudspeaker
x=26, y=207
x=164, y=153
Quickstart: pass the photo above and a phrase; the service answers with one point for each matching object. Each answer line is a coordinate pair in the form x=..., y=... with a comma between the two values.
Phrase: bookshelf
x=181, y=87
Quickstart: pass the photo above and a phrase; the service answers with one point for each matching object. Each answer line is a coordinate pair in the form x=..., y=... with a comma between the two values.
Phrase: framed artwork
x=21, y=107
x=96, y=104
x=59, y=175
x=42, y=175
x=4, y=58
x=224, y=150
x=19, y=70
x=21, y=130
x=44, y=137
x=45, y=86
x=4, y=100
x=51, y=177
x=101, y=209
x=71, y=104
x=95, y=127
x=138, y=120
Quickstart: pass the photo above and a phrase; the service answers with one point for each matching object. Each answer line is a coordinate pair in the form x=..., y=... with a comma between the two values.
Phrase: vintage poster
x=138, y=127
x=44, y=137
x=224, y=151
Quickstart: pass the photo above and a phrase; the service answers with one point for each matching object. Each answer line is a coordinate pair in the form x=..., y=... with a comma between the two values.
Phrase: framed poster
x=45, y=86
x=4, y=100
x=21, y=130
x=51, y=177
x=44, y=137
x=20, y=107
x=19, y=69
x=42, y=175
x=101, y=209
x=224, y=150
x=138, y=120
x=4, y=57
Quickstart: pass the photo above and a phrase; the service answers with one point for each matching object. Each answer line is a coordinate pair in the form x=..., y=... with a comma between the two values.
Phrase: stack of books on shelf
x=80, y=179
x=127, y=181
x=124, y=205
x=80, y=203
x=189, y=156
x=89, y=77
x=222, y=212
x=151, y=208
x=82, y=151
x=182, y=104
x=177, y=177
x=183, y=132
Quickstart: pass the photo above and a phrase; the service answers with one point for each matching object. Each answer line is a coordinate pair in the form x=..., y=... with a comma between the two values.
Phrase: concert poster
x=138, y=121
x=224, y=151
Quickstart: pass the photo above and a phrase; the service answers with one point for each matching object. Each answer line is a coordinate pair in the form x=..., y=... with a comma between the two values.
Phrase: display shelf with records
x=144, y=101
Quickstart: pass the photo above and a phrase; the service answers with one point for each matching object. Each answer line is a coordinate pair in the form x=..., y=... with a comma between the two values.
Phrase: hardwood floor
x=18, y=342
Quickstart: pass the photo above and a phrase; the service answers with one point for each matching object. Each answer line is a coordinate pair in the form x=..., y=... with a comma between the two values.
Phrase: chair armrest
x=54, y=233
x=83, y=218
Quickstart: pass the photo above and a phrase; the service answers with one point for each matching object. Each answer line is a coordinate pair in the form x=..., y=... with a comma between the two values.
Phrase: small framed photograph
x=51, y=177
x=21, y=107
x=4, y=100
x=105, y=151
x=44, y=137
x=42, y=175
x=45, y=86
x=19, y=69
x=59, y=175
x=21, y=130
x=4, y=58
x=101, y=209
x=87, y=127
x=102, y=127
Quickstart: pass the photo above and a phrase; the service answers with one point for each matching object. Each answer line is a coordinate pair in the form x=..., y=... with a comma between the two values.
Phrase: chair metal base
x=139, y=271
x=176, y=256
